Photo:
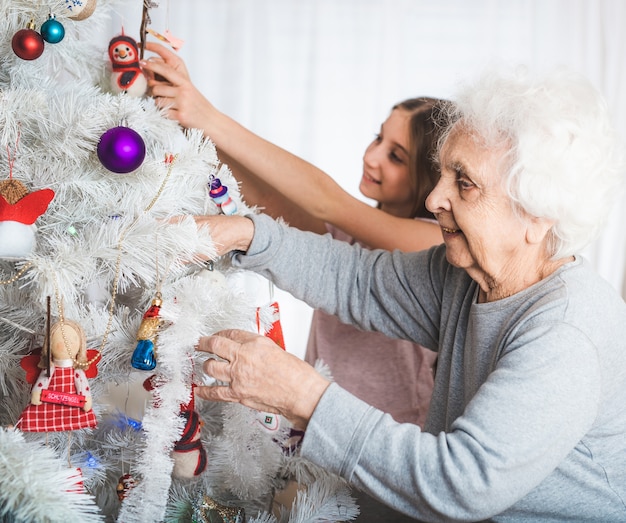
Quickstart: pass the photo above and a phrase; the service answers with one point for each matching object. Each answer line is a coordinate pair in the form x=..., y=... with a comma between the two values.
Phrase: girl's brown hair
x=423, y=137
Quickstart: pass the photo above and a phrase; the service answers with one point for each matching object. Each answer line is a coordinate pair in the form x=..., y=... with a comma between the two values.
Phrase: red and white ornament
x=268, y=420
x=189, y=455
x=77, y=479
x=126, y=75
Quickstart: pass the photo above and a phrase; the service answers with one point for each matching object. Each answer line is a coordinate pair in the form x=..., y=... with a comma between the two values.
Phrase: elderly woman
x=528, y=417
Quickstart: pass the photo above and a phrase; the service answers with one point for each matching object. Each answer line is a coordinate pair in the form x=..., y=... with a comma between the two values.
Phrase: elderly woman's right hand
x=261, y=375
x=229, y=233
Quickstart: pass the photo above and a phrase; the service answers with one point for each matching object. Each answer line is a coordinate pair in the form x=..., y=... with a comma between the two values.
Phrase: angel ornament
x=60, y=397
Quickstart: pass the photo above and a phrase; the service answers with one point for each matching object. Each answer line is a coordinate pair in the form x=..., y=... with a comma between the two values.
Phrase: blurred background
x=318, y=77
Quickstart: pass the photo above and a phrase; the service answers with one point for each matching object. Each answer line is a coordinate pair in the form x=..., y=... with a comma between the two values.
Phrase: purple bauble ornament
x=121, y=149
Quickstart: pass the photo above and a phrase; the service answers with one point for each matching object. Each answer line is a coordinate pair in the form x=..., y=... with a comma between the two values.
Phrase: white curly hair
x=565, y=160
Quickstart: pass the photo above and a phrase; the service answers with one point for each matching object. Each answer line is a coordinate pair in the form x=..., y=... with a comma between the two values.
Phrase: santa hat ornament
x=19, y=210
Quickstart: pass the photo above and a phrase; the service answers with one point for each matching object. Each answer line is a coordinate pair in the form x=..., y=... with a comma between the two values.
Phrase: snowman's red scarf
x=185, y=443
x=127, y=65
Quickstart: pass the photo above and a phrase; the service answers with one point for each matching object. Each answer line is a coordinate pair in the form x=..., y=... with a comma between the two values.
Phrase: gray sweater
x=528, y=414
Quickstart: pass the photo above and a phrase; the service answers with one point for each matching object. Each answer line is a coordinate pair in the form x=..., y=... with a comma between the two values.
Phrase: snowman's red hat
x=116, y=40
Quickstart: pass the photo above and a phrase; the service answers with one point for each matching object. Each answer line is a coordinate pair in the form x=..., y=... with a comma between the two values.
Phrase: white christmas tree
x=97, y=239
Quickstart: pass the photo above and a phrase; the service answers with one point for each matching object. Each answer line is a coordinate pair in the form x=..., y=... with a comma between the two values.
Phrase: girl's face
x=386, y=166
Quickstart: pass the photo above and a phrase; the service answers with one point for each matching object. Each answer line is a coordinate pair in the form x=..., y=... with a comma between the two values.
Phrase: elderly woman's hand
x=261, y=375
x=229, y=233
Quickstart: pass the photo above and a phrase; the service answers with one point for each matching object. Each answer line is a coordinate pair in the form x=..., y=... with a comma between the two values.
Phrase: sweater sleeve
x=372, y=289
x=513, y=411
x=517, y=429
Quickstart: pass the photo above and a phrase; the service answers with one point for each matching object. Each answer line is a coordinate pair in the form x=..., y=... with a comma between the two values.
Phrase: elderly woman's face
x=482, y=233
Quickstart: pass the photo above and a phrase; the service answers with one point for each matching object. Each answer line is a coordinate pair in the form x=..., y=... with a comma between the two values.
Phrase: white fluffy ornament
x=19, y=210
x=212, y=277
x=17, y=240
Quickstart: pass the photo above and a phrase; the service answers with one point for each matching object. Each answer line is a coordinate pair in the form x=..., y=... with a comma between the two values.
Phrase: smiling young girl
x=398, y=173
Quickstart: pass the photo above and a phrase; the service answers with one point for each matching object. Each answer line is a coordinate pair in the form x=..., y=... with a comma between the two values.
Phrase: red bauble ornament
x=27, y=43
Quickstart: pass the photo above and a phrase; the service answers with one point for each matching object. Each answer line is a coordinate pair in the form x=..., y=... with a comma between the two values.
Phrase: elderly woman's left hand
x=261, y=375
x=229, y=233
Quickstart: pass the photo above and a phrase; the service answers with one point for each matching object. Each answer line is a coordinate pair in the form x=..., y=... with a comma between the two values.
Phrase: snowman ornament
x=126, y=75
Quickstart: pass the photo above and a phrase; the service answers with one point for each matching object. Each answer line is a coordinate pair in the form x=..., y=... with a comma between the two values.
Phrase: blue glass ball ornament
x=121, y=149
x=52, y=30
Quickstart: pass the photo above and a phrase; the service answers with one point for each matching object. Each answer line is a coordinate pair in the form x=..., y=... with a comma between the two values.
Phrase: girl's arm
x=293, y=181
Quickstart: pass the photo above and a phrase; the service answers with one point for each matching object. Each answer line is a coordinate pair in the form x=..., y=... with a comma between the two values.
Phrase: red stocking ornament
x=269, y=420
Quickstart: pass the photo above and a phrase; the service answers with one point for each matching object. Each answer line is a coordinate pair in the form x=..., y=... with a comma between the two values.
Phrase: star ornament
x=27, y=209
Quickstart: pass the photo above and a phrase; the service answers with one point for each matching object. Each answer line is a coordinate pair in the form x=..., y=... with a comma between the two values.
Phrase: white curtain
x=319, y=76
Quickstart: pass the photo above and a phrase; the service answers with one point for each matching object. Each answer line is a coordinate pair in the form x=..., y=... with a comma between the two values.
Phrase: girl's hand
x=171, y=87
